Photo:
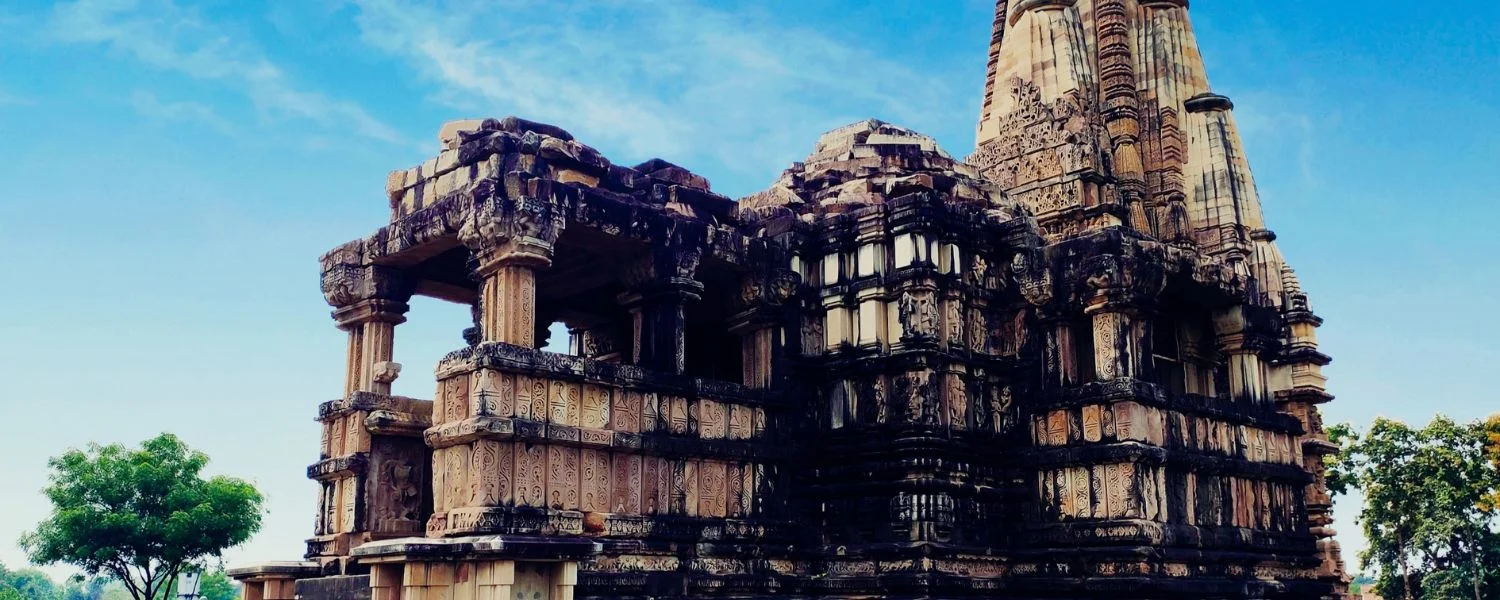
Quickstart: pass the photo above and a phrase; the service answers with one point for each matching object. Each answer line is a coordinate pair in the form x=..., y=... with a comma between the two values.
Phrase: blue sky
x=173, y=171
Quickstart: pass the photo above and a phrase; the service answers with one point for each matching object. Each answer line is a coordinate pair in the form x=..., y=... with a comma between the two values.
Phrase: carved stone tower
x=1073, y=365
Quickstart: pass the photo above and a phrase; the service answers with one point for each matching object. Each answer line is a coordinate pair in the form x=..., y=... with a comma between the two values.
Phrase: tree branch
x=122, y=572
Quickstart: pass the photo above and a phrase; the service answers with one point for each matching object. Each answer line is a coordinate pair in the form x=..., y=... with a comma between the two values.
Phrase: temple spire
x=1127, y=75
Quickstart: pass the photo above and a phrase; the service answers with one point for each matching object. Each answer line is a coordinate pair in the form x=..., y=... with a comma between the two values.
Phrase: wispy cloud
x=673, y=78
x=166, y=36
x=147, y=104
x=9, y=99
x=1271, y=121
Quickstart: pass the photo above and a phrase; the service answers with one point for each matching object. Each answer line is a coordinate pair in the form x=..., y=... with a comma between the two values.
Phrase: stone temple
x=1071, y=365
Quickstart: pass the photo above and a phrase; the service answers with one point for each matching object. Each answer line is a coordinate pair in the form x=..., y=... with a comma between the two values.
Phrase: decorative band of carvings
x=1150, y=394
x=519, y=359
x=1206, y=544
x=521, y=520
x=339, y=467
x=1164, y=4
x=1148, y=455
x=657, y=444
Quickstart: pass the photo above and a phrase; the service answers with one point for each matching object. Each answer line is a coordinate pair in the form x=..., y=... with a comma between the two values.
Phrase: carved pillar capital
x=512, y=232
x=1113, y=283
x=362, y=293
x=1033, y=277
x=369, y=302
x=762, y=296
x=511, y=238
x=374, y=310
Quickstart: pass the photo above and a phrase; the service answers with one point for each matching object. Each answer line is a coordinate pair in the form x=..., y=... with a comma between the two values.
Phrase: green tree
x=29, y=584
x=216, y=585
x=141, y=515
x=85, y=589
x=1429, y=514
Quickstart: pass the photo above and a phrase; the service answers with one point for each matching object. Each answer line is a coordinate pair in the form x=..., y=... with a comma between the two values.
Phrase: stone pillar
x=372, y=327
x=369, y=302
x=1121, y=343
x=761, y=340
x=1241, y=345
x=1124, y=290
x=660, y=287
x=1245, y=381
x=511, y=240
x=1117, y=342
x=1061, y=356
x=1299, y=388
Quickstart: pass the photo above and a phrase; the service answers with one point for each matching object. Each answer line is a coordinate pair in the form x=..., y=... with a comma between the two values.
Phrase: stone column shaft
x=1118, y=344
x=1245, y=374
x=660, y=324
x=372, y=328
x=1061, y=355
x=756, y=346
x=508, y=305
x=354, y=360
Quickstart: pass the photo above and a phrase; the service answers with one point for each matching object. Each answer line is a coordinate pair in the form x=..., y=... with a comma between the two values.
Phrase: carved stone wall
x=526, y=445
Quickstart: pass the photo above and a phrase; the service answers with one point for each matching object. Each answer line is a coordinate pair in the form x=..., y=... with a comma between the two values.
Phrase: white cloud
x=147, y=104
x=670, y=78
x=166, y=36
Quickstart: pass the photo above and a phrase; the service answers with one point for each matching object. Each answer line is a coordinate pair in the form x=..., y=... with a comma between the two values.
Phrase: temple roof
x=865, y=163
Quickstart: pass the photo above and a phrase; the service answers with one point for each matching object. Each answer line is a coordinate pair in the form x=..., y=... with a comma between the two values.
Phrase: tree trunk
x=1474, y=547
x=1405, y=573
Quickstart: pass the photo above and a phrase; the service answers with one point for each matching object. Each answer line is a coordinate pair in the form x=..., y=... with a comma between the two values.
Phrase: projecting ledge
x=484, y=546
x=274, y=570
x=1208, y=102
x=1029, y=5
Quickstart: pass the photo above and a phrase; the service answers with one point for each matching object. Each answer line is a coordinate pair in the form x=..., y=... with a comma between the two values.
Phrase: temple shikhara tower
x=1071, y=365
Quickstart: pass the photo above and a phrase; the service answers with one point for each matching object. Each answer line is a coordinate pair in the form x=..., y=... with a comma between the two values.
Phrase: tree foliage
x=29, y=584
x=141, y=515
x=1430, y=512
x=217, y=585
x=32, y=584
